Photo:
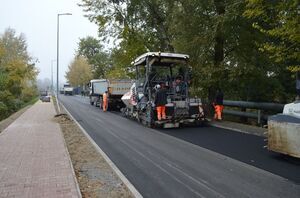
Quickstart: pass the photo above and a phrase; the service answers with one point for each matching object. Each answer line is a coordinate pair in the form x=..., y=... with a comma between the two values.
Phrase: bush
x=3, y=111
x=28, y=93
x=17, y=104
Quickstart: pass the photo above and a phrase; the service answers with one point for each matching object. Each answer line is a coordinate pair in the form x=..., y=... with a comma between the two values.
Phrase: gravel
x=94, y=175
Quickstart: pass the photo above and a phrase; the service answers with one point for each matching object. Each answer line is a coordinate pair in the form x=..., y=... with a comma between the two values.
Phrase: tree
x=279, y=20
x=17, y=72
x=220, y=40
x=129, y=20
x=79, y=72
x=93, y=51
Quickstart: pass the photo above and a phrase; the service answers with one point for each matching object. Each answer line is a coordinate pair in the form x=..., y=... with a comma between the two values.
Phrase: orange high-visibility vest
x=105, y=97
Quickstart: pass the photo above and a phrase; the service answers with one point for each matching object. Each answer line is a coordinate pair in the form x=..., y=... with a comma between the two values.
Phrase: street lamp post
x=52, y=76
x=57, y=59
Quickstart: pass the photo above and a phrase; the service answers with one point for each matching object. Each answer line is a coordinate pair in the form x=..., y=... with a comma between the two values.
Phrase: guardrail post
x=258, y=116
x=243, y=119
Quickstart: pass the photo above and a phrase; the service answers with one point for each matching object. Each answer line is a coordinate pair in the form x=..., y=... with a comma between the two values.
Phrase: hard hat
x=157, y=86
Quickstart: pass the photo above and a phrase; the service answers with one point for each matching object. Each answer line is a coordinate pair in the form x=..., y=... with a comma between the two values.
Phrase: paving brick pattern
x=34, y=161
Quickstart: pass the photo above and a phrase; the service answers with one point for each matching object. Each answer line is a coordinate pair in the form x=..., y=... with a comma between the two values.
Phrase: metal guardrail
x=254, y=105
x=259, y=106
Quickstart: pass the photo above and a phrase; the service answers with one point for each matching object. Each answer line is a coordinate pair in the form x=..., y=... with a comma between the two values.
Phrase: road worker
x=105, y=101
x=218, y=105
x=160, y=101
x=179, y=86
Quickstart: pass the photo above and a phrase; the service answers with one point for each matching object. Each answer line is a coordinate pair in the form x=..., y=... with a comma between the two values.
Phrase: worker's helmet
x=157, y=87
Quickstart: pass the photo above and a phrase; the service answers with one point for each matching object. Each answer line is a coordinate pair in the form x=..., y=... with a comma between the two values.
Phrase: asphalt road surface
x=188, y=162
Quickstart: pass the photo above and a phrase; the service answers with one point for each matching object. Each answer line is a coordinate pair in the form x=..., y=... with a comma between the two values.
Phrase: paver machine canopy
x=155, y=68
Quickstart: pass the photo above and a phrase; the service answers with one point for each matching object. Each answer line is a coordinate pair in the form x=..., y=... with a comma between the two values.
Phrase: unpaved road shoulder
x=94, y=175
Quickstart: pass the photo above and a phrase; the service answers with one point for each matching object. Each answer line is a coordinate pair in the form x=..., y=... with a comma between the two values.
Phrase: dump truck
x=284, y=131
x=171, y=69
x=115, y=88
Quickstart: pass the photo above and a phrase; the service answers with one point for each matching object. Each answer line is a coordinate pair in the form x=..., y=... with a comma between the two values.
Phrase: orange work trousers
x=161, y=112
x=218, y=112
x=104, y=105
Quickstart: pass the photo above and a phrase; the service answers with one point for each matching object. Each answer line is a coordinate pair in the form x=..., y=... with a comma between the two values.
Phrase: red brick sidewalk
x=34, y=161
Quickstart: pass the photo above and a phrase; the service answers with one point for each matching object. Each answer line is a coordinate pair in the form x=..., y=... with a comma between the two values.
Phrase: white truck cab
x=68, y=89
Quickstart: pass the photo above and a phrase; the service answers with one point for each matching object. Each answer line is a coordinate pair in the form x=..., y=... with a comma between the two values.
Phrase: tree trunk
x=219, y=35
x=218, y=51
x=160, y=23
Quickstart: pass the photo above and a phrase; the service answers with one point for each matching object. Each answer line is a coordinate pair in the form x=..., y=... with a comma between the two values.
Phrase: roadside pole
x=57, y=59
x=57, y=102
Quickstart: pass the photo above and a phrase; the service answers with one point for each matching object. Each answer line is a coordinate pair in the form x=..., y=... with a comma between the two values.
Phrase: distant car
x=45, y=99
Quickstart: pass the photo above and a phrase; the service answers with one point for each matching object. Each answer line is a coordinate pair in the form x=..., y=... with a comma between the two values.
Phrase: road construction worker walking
x=160, y=101
x=105, y=101
x=218, y=105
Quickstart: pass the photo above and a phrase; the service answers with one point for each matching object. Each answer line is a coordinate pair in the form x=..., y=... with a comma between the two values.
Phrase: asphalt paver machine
x=172, y=70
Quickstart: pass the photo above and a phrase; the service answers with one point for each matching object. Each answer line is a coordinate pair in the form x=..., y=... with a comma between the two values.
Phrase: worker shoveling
x=160, y=94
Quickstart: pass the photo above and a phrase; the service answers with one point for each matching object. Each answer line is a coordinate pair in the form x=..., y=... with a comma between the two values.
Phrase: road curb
x=224, y=127
x=235, y=129
x=73, y=170
x=128, y=184
x=69, y=158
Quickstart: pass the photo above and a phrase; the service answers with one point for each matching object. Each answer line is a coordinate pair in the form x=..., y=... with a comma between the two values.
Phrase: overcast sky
x=37, y=19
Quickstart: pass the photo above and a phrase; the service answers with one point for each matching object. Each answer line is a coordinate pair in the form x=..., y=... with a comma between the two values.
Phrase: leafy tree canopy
x=93, y=51
x=17, y=73
x=247, y=44
x=279, y=20
x=79, y=72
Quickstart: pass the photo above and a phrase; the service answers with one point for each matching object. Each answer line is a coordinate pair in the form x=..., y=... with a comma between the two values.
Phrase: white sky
x=37, y=19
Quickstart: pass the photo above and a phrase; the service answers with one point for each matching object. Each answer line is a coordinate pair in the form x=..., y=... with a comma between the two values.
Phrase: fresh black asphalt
x=188, y=162
x=243, y=147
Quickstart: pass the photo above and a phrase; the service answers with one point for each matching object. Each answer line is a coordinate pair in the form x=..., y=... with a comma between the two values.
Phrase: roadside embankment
x=6, y=122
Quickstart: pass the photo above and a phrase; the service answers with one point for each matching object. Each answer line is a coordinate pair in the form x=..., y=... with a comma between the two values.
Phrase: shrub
x=28, y=93
x=3, y=111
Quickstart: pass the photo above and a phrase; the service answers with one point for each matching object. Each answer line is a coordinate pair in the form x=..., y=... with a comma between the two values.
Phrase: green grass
x=31, y=102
